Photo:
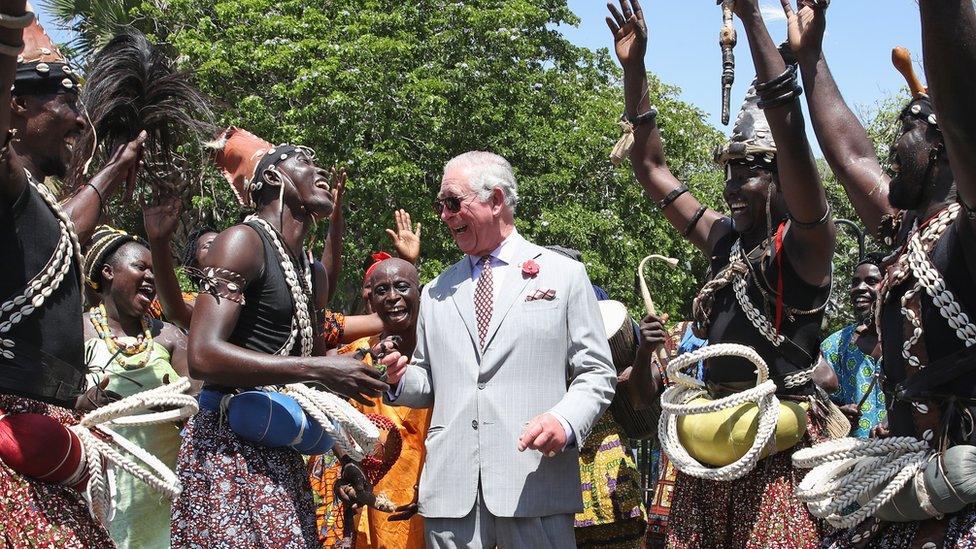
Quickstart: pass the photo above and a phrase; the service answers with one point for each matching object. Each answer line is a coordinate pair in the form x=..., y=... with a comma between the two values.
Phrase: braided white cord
x=42, y=285
x=123, y=412
x=358, y=435
x=847, y=470
x=686, y=388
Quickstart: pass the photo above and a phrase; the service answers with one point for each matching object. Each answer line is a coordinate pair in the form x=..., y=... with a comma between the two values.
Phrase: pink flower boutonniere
x=530, y=268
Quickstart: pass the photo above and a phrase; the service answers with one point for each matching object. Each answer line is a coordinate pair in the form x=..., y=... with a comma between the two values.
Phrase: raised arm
x=332, y=252
x=809, y=243
x=843, y=140
x=949, y=54
x=650, y=166
x=12, y=180
x=160, y=222
x=212, y=358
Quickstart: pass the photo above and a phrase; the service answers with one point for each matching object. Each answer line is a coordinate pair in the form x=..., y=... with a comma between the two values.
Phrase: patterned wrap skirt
x=757, y=511
x=957, y=531
x=239, y=495
x=39, y=514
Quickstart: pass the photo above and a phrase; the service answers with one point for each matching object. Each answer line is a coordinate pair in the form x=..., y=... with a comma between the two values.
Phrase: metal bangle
x=642, y=118
x=781, y=100
x=694, y=221
x=672, y=196
x=23, y=21
x=788, y=74
x=11, y=51
x=816, y=223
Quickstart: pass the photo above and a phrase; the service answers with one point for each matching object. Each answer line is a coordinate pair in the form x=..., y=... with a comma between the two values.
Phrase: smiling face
x=395, y=295
x=479, y=227
x=746, y=192
x=908, y=163
x=51, y=124
x=310, y=190
x=127, y=277
x=864, y=288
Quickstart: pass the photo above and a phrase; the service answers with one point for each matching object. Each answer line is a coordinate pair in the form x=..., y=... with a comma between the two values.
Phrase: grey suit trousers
x=480, y=529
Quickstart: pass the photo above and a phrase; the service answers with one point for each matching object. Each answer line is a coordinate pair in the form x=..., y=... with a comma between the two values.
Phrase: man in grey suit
x=512, y=356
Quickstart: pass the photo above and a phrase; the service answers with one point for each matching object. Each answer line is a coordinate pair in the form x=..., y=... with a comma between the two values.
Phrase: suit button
x=474, y=424
x=481, y=386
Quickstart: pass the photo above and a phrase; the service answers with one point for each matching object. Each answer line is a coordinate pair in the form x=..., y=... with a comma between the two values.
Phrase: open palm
x=805, y=27
x=629, y=31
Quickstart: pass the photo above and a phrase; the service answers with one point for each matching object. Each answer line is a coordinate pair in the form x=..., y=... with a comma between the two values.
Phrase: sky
x=683, y=46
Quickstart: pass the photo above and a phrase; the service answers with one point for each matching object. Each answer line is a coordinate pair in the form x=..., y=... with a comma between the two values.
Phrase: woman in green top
x=136, y=353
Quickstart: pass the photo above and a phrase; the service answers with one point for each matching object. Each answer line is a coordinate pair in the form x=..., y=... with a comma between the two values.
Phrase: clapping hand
x=337, y=180
x=405, y=240
x=162, y=219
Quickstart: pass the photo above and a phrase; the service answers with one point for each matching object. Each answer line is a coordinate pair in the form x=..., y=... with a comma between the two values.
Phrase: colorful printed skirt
x=757, y=511
x=957, y=531
x=239, y=495
x=613, y=514
x=38, y=514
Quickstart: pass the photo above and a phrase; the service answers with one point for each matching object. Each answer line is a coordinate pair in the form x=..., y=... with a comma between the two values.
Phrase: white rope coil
x=686, y=388
x=843, y=485
x=101, y=455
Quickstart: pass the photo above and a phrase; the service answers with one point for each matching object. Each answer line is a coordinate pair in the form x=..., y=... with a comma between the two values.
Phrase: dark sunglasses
x=452, y=203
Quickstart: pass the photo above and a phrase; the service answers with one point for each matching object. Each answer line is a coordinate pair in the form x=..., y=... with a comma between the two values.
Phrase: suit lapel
x=463, y=296
x=512, y=289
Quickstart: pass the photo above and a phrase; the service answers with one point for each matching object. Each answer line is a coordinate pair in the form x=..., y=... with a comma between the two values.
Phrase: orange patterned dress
x=372, y=528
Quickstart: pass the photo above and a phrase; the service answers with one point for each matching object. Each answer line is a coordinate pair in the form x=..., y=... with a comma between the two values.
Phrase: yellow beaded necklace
x=144, y=341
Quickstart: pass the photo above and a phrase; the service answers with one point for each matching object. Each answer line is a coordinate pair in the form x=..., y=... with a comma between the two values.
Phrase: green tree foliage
x=392, y=90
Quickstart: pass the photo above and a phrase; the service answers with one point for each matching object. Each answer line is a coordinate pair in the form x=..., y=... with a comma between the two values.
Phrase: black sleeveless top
x=29, y=233
x=729, y=323
x=940, y=339
x=265, y=319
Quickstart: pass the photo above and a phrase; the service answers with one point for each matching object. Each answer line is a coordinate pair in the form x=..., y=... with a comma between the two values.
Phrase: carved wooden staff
x=727, y=40
x=646, y=293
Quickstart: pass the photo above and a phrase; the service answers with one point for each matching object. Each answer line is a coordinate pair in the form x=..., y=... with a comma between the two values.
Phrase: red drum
x=40, y=447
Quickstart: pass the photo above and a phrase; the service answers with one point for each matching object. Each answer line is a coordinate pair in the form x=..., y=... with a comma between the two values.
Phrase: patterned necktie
x=483, y=299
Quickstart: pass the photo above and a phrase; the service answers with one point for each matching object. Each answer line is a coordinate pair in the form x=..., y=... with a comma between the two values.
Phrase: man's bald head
x=394, y=267
x=395, y=295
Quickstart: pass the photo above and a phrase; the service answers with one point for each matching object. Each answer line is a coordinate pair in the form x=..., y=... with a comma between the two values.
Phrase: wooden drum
x=637, y=424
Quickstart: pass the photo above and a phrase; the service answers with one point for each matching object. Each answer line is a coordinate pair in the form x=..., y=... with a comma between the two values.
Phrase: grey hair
x=486, y=172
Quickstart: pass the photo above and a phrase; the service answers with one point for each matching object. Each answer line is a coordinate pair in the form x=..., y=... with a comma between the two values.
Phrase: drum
x=619, y=328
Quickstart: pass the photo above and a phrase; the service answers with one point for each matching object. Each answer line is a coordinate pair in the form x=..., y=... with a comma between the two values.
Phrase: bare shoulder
x=238, y=249
x=168, y=335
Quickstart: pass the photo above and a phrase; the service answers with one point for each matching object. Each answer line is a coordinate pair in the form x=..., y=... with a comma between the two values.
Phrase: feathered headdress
x=132, y=86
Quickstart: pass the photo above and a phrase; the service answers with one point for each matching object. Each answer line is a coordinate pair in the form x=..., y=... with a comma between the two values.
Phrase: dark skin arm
x=810, y=250
x=949, y=54
x=332, y=253
x=12, y=180
x=644, y=382
x=647, y=156
x=213, y=359
x=845, y=144
x=161, y=222
x=175, y=341
x=83, y=207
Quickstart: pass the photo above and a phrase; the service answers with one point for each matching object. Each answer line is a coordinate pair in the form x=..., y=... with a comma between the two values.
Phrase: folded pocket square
x=542, y=293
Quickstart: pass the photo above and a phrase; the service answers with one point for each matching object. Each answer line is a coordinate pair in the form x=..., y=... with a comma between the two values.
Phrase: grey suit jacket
x=542, y=355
